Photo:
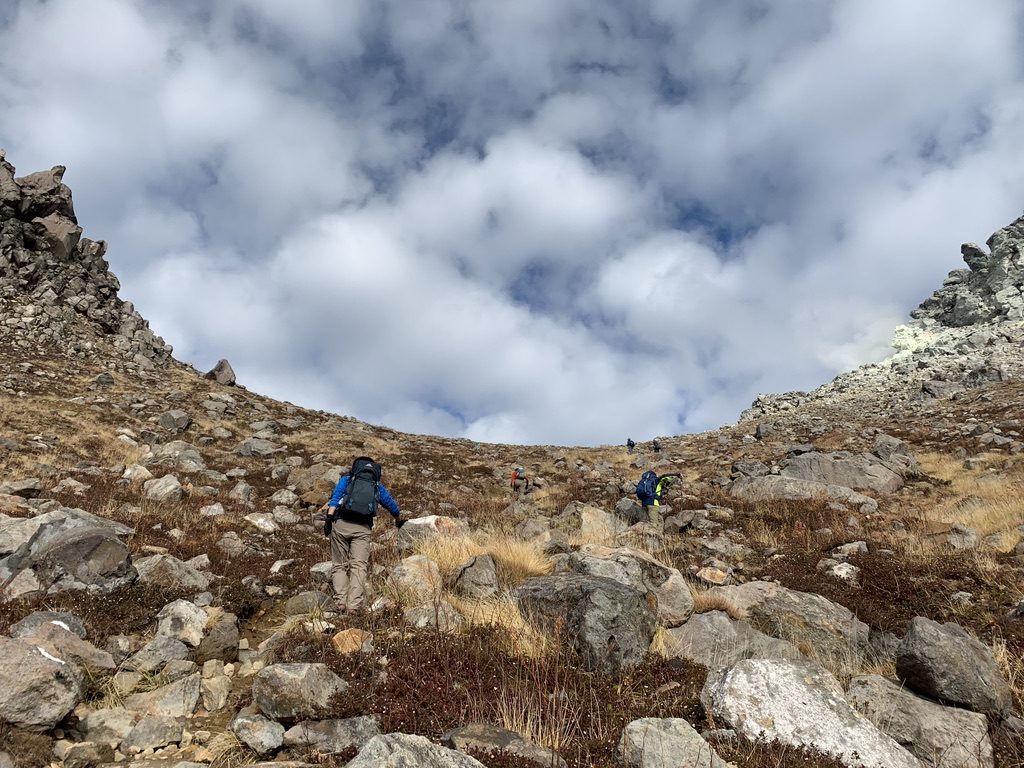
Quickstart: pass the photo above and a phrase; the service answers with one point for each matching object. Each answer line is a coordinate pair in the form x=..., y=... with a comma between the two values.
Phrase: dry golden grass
x=515, y=559
x=518, y=637
x=1012, y=666
x=704, y=600
x=992, y=502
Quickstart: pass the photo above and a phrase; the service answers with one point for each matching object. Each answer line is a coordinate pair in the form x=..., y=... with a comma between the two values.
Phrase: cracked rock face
x=967, y=334
x=55, y=285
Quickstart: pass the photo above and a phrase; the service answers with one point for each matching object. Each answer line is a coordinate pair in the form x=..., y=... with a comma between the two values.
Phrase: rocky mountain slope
x=835, y=581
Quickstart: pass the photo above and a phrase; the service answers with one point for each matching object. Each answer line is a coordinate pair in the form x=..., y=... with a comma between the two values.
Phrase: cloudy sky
x=564, y=221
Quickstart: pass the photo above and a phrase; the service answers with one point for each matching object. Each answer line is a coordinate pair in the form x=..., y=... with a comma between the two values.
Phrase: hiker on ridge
x=350, y=515
x=630, y=445
x=520, y=483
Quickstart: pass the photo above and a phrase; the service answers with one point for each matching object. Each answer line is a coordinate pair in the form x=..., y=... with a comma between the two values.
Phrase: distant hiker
x=630, y=445
x=650, y=491
x=655, y=446
x=520, y=483
x=350, y=515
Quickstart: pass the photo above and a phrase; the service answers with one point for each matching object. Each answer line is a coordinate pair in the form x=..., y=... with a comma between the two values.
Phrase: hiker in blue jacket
x=350, y=515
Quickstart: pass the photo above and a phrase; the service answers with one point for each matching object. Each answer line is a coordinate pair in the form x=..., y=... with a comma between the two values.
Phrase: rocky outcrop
x=296, y=691
x=832, y=631
x=715, y=641
x=965, y=335
x=799, y=704
x=944, y=737
x=609, y=624
x=55, y=286
x=944, y=662
x=641, y=572
x=37, y=688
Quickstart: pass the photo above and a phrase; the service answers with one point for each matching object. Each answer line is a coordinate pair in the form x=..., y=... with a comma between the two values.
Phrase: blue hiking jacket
x=382, y=496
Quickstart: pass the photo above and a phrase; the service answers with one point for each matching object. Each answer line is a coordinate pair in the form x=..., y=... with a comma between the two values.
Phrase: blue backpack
x=647, y=486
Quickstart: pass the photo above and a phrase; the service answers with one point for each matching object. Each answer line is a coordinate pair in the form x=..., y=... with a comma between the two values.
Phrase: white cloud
x=535, y=221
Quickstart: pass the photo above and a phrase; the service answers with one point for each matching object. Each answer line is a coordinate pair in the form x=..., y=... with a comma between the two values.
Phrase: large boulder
x=37, y=688
x=222, y=373
x=861, y=472
x=715, y=641
x=64, y=644
x=400, y=750
x=643, y=573
x=609, y=624
x=799, y=704
x=944, y=737
x=63, y=549
x=652, y=742
x=944, y=662
x=779, y=488
x=826, y=629
x=296, y=691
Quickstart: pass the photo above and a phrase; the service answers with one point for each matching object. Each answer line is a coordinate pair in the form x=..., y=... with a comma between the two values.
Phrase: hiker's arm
x=339, y=491
x=388, y=503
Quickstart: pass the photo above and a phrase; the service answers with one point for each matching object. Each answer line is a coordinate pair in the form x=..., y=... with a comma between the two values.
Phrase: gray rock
x=66, y=645
x=836, y=636
x=715, y=641
x=108, y=726
x=861, y=472
x=332, y=736
x=178, y=699
x=175, y=420
x=415, y=579
x=399, y=750
x=153, y=732
x=477, y=577
x=222, y=373
x=609, y=624
x=307, y=602
x=31, y=623
x=489, y=739
x=182, y=621
x=257, y=447
x=37, y=690
x=168, y=571
x=653, y=742
x=296, y=691
x=643, y=573
x=944, y=662
x=793, y=489
x=939, y=736
x=258, y=733
x=29, y=488
x=166, y=489
x=800, y=704
x=156, y=653
x=221, y=640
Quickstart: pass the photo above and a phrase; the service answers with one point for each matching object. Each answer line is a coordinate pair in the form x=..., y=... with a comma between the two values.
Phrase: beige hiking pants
x=350, y=554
